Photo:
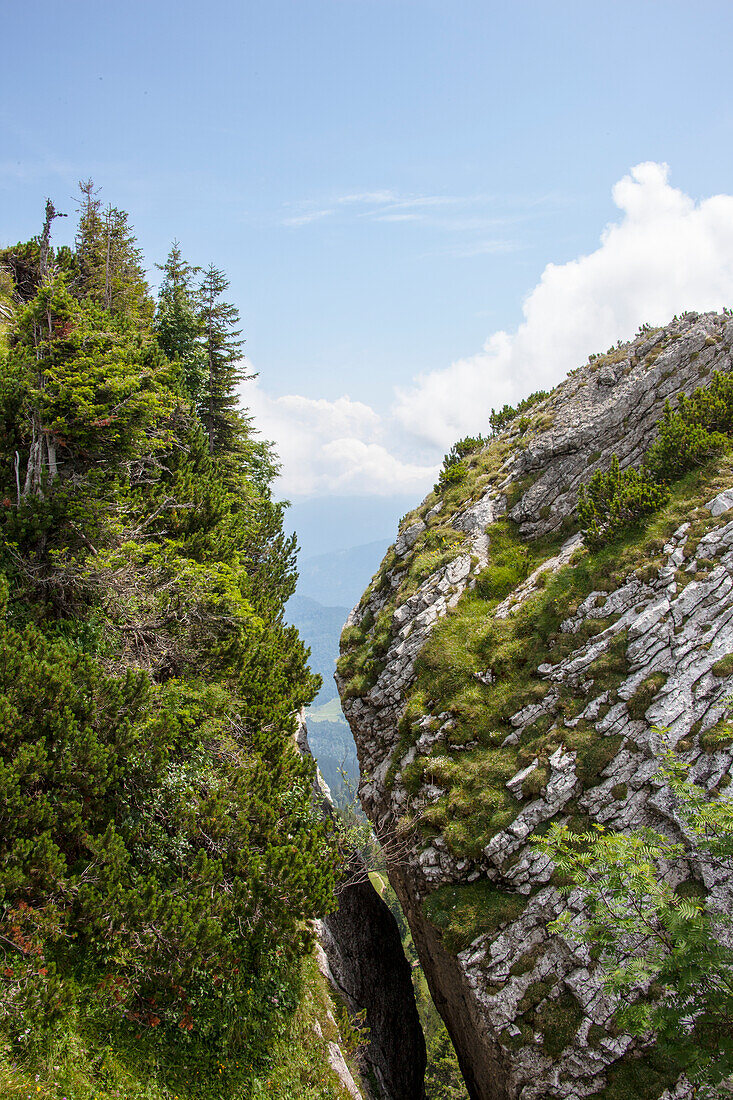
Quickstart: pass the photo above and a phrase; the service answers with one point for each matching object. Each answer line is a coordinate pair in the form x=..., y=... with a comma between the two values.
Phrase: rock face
x=639, y=647
x=368, y=967
x=360, y=953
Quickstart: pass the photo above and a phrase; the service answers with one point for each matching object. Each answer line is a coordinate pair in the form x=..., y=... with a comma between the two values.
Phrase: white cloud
x=665, y=254
x=438, y=211
x=307, y=217
x=361, y=197
x=398, y=217
x=332, y=447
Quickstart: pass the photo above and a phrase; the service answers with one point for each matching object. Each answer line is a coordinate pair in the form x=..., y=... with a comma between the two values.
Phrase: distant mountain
x=320, y=628
x=333, y=747
x=329, y=735
x=329, y=585
x=325, y=524
x=341, y=576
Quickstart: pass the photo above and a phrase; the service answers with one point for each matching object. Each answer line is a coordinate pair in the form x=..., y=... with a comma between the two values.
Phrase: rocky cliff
x=497, y=675
x=360, y=953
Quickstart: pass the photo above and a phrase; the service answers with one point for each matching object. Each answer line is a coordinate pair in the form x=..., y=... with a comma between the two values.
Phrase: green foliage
x=217, y=400
x=161, y=858
x=558, y=1019
x=90, y=1056
x=147, y=845
x=687, y=437
x=699, y=427
x=78, y=394
x=499, y=419
x=461, y=913
x=724, y=667
x=615, y=498
x=509, y=565
x=443, y=1080
x=110, y=263
x=178, y=321
x=647, y=690
x=455, y=468
x=7, y=303
x=662, y=951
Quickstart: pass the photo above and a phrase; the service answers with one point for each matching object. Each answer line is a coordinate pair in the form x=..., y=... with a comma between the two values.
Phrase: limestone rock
x=663, y=620
x=359, y=951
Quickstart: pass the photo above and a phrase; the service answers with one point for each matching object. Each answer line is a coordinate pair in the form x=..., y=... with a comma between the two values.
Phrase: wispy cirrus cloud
x=445, y=213
x=361, y=197
x=307, y=217
x=483, y=248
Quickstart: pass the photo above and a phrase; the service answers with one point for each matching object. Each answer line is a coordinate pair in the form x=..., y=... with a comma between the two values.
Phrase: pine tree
x=178, y=321
x=160, y=856
x=226, y=427
x=110, y=261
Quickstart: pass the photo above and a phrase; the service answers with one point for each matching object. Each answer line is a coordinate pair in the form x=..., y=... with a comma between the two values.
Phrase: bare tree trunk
x=34, y=469
x=29, y=467
x=53, y=471
x=44, y=267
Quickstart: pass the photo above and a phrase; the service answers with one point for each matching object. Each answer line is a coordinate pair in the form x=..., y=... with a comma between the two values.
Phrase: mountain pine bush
x=160, y=858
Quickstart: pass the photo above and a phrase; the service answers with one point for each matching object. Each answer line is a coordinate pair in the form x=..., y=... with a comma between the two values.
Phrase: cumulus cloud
x=332, y=447
x=664, y=254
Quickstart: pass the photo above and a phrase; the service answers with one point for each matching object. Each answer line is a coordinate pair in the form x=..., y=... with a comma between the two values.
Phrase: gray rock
x=677, y=628
x=721, y=503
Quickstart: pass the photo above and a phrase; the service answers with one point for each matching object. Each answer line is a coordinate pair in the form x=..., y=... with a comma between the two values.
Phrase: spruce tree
x=226, y=427
x=112, y=273
x=178, y=321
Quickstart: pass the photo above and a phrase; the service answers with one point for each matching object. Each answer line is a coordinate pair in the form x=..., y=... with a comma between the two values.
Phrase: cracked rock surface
x=674, y=623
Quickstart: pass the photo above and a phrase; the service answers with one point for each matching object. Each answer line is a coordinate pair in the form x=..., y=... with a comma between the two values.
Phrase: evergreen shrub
x=455, y=468
x=501, y=418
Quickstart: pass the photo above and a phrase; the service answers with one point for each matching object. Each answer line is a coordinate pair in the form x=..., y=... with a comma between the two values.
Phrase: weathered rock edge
x=610, y=406
x=361, y=955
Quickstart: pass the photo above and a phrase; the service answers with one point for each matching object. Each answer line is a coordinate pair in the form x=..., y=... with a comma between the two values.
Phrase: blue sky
x=385, y=182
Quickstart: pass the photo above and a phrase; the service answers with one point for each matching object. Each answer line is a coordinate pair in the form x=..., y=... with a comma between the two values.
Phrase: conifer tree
x=160, y=856
x=225, y=425
x=178, y=321
x=110, y=261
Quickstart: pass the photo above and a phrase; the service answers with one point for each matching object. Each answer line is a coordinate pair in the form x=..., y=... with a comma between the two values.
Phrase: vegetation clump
x=462, y=913
x=454, y=469
x=688, y=436
x=615, y=498
x=499, y=419
x=161, y=857
x=663, y=951
x=641, y=700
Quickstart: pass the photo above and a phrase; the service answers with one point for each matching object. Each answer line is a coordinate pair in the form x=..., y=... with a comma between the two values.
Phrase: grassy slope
x=475, y=804
x=84, y=1063
x=472, y=769
x=328, y=712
